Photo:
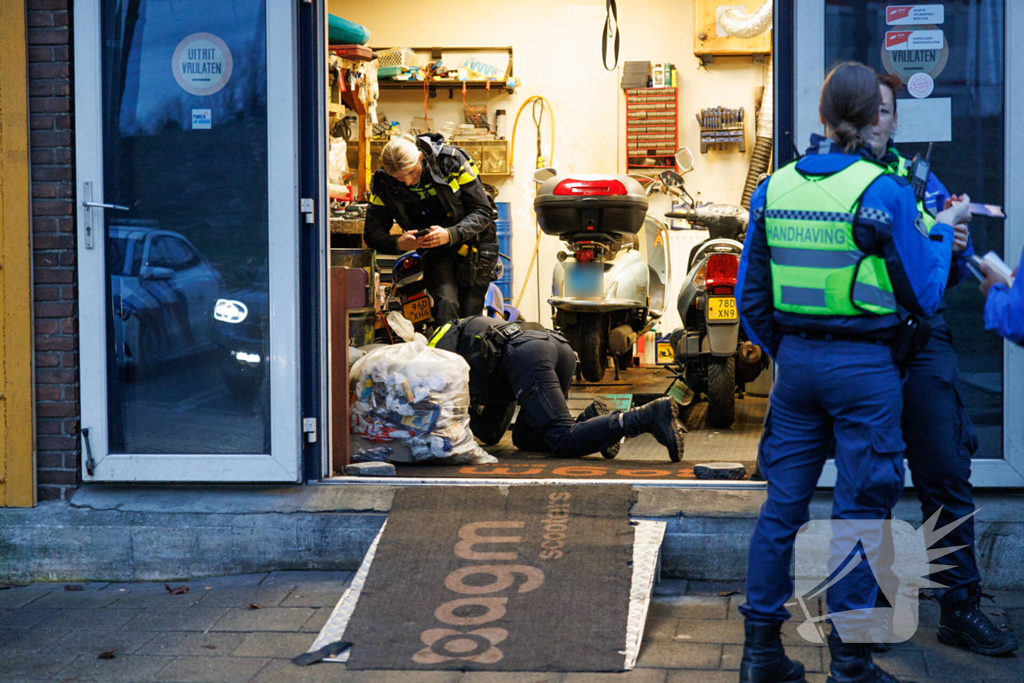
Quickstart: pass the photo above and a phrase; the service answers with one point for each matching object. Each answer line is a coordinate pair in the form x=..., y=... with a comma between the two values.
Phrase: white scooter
x=605, y=294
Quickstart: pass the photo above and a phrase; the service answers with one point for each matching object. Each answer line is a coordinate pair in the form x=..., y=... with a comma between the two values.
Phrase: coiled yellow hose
x=511, y=164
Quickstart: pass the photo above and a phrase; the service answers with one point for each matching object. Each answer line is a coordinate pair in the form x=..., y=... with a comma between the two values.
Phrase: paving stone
x=268, y=619
x=634, y=676
x=280, y=671
x=296, y=578
x=24, y=618
x=13, y=598
x=62, y=599
x=900, y=662
x=126, y=668
x=709, y=631
x=283, y=671
x=303, y=596
x=211, y=670
x=98, y=619
x=943, y=662
x=243, y=596
x=689, y=607
x=193, y=644
x=670, y=655
x=177, y=619
x=701, y=677
x=658, y=628
x=236, y=581
x=810, y=657
x=88, y=641
x=671, y=587
x=276, y=645
x=24, y=664
x=714, y=587
x=317, y=621
x=1005, y=598
x=154, y=596
x=511, y=677
x=28, y=641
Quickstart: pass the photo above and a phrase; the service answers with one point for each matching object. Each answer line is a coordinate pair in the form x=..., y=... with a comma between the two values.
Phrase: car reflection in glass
x=240, y=320
x=163, y=292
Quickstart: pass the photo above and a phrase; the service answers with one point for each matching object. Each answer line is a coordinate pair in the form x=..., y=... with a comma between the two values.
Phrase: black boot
x=851, y=663
x=964, y=625
x=596, y=409
x=660, y=418
x=764, y=658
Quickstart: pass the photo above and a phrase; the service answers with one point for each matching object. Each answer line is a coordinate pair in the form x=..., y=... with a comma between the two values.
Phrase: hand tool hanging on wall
x=721, y=126
x=611, y=30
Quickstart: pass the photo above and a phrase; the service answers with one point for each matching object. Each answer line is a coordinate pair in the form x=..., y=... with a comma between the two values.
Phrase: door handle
x=100, y=205
x=89, y=205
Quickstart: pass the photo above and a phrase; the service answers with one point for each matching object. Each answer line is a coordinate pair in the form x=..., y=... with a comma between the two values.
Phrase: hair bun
x=848, y=135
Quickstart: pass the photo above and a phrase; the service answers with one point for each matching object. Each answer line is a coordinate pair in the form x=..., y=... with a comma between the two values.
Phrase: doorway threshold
x=713, y=484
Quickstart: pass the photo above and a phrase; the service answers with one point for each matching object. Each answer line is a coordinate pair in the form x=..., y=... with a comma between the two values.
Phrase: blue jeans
x=842, y=390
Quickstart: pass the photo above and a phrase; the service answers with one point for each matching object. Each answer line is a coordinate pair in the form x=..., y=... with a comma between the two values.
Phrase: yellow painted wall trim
x=17, y=404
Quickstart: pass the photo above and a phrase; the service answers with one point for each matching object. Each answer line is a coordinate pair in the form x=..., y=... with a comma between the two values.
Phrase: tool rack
x=721, y=126
x=652, y=128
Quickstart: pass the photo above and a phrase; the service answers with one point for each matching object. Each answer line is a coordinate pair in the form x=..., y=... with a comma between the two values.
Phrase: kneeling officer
x=535, y=367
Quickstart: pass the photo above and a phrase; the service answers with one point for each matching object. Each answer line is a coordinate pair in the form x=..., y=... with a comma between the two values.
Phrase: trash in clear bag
x=416, y=396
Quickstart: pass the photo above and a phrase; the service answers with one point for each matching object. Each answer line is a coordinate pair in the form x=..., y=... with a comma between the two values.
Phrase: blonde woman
x=432, y=191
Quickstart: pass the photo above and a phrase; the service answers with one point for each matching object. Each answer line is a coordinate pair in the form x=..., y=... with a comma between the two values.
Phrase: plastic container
x=500, y=124
x=344, y=32
x=610, y=204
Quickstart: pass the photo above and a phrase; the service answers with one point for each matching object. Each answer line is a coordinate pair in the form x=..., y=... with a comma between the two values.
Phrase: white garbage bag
x=417, y=396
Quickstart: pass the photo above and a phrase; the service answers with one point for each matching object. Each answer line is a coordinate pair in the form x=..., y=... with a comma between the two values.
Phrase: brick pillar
x=51, y=120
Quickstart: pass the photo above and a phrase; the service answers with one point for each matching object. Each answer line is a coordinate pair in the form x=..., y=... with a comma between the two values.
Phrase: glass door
x=187, y=231
x=960, y=93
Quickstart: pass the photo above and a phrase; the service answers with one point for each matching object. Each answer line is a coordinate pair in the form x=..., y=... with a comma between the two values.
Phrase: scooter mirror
x=671, y=179
x=543, y=174
x=684, y=159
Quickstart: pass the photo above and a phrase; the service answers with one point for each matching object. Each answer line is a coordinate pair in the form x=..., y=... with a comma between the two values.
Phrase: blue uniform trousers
x=940, y=442
x=843, y=390
x=539, y=367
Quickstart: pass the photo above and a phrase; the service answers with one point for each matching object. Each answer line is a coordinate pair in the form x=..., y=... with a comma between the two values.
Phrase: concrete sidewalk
x=246, y=628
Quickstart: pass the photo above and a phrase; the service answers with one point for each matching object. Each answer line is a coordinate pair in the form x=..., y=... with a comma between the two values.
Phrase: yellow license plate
x=666, y=356
x=417, y=311
x=722, y=308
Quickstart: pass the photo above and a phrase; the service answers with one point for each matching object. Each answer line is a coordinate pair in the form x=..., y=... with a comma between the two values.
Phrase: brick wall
x=51, y=120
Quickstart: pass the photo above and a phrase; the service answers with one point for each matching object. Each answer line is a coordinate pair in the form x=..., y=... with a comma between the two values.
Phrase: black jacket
x=452, y=174
x=463, y=337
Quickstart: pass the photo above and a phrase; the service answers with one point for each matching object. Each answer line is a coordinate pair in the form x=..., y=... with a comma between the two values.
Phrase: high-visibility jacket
x=816, y=266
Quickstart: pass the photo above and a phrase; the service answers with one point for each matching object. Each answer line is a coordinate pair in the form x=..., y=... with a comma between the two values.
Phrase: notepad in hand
x=992, y=260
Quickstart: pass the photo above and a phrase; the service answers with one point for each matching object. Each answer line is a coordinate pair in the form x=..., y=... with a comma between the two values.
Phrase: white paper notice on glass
x=201, y=119
x=903, y=15
x=929, y=120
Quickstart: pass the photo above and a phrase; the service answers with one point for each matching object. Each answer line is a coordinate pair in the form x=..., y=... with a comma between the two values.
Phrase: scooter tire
x=721, y=392
x=593, y=349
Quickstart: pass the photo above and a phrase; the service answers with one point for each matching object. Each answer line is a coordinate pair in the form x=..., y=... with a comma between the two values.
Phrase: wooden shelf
x=449, y=85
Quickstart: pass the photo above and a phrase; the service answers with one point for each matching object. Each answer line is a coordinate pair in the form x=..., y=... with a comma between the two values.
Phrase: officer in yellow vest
x=429, y=187
x=835, y=246
x=938, y=432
